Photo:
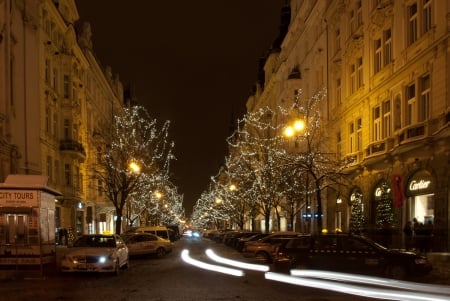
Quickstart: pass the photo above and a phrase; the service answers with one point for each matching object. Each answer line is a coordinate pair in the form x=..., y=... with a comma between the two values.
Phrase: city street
x=169, y=278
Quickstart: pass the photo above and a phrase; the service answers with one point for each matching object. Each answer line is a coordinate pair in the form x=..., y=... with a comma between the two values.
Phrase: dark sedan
x=350, y=254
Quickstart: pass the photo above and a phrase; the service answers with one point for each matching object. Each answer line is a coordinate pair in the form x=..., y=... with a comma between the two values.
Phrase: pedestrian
x=408, y=231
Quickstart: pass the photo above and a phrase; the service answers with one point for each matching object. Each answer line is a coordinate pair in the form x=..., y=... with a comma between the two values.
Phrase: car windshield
x=95, y=241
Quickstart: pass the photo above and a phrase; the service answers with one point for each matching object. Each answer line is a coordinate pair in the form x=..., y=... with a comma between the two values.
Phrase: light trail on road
x=212, y=267
x=370, y=287
x=359, y=290
x=413, y=286
x=235, y=263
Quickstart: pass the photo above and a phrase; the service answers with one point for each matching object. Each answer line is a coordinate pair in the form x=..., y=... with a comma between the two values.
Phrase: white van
x=161, y=231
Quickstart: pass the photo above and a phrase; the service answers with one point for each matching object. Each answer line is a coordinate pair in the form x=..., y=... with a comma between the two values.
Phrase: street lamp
x=296, y=128
x=134, y=167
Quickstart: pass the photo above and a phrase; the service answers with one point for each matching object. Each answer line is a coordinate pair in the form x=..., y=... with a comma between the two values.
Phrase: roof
x=18, y=181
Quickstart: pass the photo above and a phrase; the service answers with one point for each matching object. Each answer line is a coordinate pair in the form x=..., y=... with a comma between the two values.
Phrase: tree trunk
x=119, y=224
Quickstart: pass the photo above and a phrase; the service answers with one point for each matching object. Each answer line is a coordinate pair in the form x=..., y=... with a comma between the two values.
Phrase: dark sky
x=192, y=62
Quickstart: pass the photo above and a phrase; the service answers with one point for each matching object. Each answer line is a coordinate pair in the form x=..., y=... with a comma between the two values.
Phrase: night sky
x=193, y=62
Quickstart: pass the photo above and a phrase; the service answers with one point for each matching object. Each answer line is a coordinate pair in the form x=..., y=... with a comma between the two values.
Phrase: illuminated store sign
x=415, y=185
x=422, y=182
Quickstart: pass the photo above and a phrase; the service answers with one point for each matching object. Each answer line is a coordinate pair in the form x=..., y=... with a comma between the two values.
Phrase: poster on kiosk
x=27, y=221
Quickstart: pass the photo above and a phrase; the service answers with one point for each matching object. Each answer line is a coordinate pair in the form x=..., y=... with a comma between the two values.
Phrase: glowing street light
x=297, y=126
x=157, y=195
x=134, y=167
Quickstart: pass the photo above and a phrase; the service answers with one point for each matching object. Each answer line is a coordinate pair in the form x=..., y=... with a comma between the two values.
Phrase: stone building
x=55, y=102
x=385, y=67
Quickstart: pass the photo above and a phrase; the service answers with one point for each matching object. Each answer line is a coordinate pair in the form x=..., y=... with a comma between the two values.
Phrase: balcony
x=73, y=148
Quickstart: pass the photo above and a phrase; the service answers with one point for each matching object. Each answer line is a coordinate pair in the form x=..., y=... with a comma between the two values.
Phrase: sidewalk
x=441, y=264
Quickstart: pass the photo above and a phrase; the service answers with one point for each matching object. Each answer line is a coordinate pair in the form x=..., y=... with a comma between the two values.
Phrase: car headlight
x=102, y=259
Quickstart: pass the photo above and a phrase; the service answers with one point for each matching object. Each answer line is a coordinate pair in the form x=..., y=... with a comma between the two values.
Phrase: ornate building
x=384, y=64
x=55, y=102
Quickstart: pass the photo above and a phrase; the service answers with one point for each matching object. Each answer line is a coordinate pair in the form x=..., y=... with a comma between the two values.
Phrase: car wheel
x=263, y=256
x=397, y=272
x=126, y=265
x=117, y=268
x=160, y=252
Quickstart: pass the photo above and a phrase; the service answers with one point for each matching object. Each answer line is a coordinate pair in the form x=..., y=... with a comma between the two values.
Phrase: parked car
x=161, y=231
x=147, y=243
x=96, y=253
x=350, y=254
x=264, y=248
x=231, y=238
x=242, y=240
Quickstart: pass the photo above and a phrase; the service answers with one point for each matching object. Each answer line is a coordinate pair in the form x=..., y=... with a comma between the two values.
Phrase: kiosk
x=27, y=221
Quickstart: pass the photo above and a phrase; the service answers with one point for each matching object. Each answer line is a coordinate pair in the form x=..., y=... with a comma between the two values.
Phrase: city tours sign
x=19, y=198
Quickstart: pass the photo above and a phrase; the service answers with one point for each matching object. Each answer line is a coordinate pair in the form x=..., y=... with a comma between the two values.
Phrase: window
x=67, y=129
x=47, y=71
x=411, y=105
x=383, y=51
x=49, y=167
x=387, y=40
x=398, y=113
x=420, y=19
x=355, y=17
x=55, y=79
x=352, y=22
x=55, y=125
x=47, y=120
x=377, y=50
x=66, y=86
x=359, y=64
x=386, y=119
x=56, y=178
x=412, y=23
x=99, y=155
x=100, y=187
x=424, y=101
x=359, y=20
x=351, y=130
x=356, y=75
x=75, y=132
x=352, y=78
x=338, y=91
x=76, y=179
x=426, y=12
x=67, y=174
x=337, y=40
x=339, y=146
x=359, y=134
x=376, y=124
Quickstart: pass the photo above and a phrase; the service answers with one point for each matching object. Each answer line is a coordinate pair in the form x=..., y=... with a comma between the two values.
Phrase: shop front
x=420, y=208
x=27, y=221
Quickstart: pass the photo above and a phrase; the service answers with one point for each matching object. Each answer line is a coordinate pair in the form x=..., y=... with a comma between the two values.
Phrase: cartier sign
x=421, y=182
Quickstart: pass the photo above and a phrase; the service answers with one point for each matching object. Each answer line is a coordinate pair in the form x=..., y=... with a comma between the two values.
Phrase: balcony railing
x=72, y=146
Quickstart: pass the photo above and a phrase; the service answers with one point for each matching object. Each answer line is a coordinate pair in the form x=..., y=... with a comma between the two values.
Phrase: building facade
x=385, y=67
x=56, y=100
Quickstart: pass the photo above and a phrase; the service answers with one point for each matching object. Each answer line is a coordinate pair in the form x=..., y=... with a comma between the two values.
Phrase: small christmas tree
x=385, y=208
x=357, y=218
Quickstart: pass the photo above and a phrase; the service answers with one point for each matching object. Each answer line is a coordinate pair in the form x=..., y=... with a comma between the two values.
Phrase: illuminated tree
x=315, y=157
x=385, y=207
x=135, y=156
x=255, y=150
x=357, y=218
